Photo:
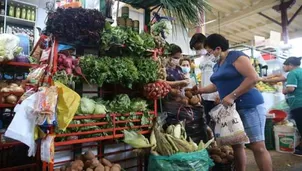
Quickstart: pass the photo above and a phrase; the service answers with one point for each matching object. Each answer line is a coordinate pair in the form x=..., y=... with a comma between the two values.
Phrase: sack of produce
x=195, y=126
x=222, y=156
x=229, y=129
x=195, y=161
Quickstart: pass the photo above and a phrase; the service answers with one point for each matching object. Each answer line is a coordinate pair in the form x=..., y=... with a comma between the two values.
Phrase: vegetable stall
x=121, y=99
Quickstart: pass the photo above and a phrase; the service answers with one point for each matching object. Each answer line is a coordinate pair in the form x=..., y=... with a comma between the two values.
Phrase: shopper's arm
x=274, y=79
x=204, y=90
x=245, y=68
x=181, y=83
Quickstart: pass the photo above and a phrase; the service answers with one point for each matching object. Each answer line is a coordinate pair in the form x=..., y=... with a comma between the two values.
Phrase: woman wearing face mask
x=293, y=92
x=234, y=78
x=175, y=75
x=185, y=65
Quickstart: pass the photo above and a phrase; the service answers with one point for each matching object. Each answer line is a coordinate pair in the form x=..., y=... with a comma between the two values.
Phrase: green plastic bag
x=194, y=161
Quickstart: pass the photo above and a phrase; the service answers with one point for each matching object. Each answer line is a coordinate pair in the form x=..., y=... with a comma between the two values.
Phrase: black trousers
x=208, y=106
x=297, y=116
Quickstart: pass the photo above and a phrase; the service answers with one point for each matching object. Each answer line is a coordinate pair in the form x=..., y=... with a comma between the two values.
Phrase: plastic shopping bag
x=68, y=103
x=229, y=129
x=194, y=161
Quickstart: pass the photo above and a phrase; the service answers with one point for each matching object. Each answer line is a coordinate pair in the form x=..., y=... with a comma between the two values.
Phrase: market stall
x=60, y=114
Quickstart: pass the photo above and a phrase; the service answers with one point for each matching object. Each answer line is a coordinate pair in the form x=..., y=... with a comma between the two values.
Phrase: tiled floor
x=281, y=162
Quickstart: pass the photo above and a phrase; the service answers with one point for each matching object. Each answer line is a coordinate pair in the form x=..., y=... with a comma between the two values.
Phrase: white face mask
x=185, y=70
x=175, y=61
x=202, y=52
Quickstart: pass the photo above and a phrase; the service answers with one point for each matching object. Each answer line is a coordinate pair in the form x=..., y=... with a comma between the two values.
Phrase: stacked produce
x=125, y=41
x=121, y=104
x=221, y=155
x=171, y=141
x=88, y=162
x=10, y=93
x=9, y=47
x=76, y=25
x=186, y=99
x=123, y=70
x=265, y=87
x=156, y=90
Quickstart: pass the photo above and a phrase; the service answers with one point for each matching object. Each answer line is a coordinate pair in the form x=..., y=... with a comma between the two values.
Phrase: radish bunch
x=156, y=90
x=69, y=64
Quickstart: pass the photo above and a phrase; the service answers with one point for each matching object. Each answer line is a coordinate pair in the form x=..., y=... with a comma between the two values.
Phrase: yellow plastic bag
x=68, y=103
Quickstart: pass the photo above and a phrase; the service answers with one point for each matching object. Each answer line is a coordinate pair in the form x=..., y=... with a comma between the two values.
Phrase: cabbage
x=100, y=109
x=87, y=105
x=139, y=105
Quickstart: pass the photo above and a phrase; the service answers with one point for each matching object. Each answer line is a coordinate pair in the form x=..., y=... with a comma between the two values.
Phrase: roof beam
x=259, y=7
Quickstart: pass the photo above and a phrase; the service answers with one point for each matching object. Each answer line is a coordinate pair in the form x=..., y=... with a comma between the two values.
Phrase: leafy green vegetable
x=120, y=104
x=100, y=109
x=149, y=42
x=147, y=70
x=138, y=105
x=87, y=105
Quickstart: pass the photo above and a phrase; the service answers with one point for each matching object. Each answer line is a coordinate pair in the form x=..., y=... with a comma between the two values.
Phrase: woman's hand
x=184, y=83
x=196, y=90
x=228, y=100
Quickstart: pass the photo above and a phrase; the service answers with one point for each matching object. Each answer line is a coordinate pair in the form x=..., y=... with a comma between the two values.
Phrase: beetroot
x=67, y=62
x=76, y=61
x=68, y=71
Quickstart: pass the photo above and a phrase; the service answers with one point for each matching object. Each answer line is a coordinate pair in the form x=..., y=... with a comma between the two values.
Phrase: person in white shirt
x=206, y=67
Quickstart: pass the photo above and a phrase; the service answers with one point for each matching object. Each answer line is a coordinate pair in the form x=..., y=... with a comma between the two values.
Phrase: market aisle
x=281, y=162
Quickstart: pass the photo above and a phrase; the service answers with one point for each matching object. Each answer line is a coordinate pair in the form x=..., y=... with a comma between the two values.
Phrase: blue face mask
x=185, y=69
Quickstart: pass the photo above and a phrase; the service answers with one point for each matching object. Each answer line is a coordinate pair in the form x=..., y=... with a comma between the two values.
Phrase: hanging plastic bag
x=194, y=161
x=68, y=103
x=48, y=149
x=229, y=129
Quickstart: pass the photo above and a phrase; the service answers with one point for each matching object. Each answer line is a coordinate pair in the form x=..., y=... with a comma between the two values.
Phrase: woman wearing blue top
x=234, y=78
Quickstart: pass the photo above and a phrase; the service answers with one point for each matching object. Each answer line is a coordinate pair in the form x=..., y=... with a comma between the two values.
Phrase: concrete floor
x=281, y=162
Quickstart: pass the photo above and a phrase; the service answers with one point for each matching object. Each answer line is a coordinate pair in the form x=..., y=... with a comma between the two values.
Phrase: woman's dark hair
x=174, y=49
x=197, y=38
x=185, y=59
x=216, y=40
x=294, y=61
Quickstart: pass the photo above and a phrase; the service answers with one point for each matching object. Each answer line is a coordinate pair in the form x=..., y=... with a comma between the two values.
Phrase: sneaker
x=298, y=153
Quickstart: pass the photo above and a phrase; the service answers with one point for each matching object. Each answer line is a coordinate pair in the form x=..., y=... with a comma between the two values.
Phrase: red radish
x=60, y=60
x=76, y=61
x=67, y=62
x=68, y=71
x=78, y=71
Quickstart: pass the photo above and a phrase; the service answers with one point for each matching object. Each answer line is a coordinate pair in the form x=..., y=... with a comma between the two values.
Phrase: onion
x=13, y=85
x=11, y=99
x=2, y=100
x=17, y=90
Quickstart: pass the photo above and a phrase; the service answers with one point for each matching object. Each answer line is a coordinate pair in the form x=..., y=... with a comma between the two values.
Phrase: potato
x=185, y=101
x=117, y=165
x=188, y=94
x=194, y=100
x=95, y=163
x=223, y=155
x=79, y=163
x=175, y=92
x=89, y=169
x=63, y=168
x=89, y=155
x=215, y=150
x=107, y=168
x=115, y=168
x=106, y=162
x=88, y=163
x=225, y=161
x=68, y=169
x=178, y=99
x=230, y=158
x=99, y=168
x=216, y=158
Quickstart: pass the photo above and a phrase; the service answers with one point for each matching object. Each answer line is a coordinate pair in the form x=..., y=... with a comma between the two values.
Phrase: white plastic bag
x=229, y=129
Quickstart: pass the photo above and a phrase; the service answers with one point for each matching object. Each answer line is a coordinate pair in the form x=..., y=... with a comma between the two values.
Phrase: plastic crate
x=269, y=134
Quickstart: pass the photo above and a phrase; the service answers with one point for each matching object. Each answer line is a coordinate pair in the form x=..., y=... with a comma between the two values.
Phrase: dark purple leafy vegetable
x=76, y=25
